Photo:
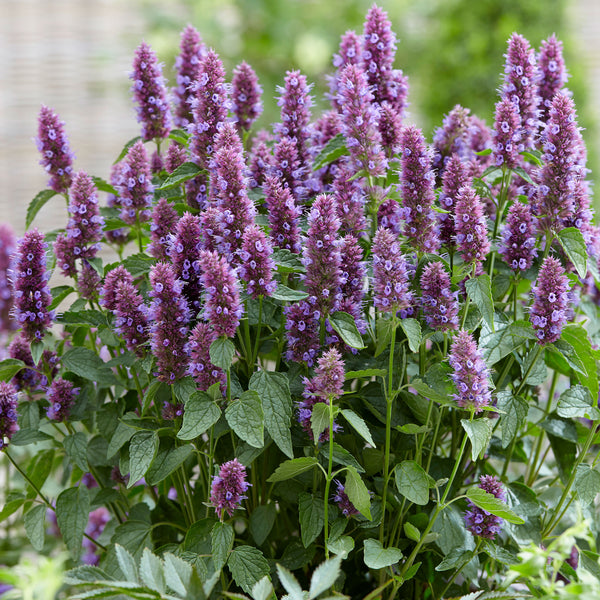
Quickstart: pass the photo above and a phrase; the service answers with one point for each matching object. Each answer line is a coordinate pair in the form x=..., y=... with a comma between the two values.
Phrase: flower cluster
x=341, y=499
x=440, y=304
x=479, y=521
x=188, y=65
x=302, y=331
x=471, y=226
x=8, y=244
x=135, y=185
x=228, y=488
x=200, y=367
x=131, y=317
x=517, y=247
x=61, y=396
x=257, y=265
x=283, y=214
x=245, y=96
x=163, y=222
x=553, y=73
x=8, y=413
x=456, y=175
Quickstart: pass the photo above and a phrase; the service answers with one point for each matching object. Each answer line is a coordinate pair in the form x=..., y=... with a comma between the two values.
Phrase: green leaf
x=138, y=264
x=142, y=450
x=274, y=391
x=290, y=583
x=345, y=325
x=123, y=433
x=587, y=484
x=523, y=174
x=365, y=374
x=287, y=261
x=384, y=328
x=494, y=505
x=411, y=532
x=126, y=564
x=87, y=364
x=500, y=554
x=262, y=520
x=334, y=149
x=184, y=388
x=76, y=446
x=222, y=351
x=412, y=482
x=9, y=367
x=343, y=457
x=103, y=186
x=532, y=157
x=412, y=331
x=576, y=401
x=37, y=349
x=167, y=460
x=572, y=242
x=134, y=535
x=378, y=557
x=495, y=346
x=263, y=589
x=248, y=566
x=152, y=572
x=72, y=510
x=199, y=415
x=34, y=526
x=221, y=543
x=479, y=290
x=312, y=517
x=428, y=392
x=358, y=424
x=181, y=174
x=286, y=294
x=577, y=336
x=480, y=434
x=246, y=418
x=150, y=393
x=324, y=576
x=293, y=467
x=357, y=492
x=36, y=205
x=567, y=353
x=515, y=411
x=177, y=573
x=413, y=429
x=40, y=467
x=457, y=557
x=538, y=373
x=126, y=148
x=319, y=420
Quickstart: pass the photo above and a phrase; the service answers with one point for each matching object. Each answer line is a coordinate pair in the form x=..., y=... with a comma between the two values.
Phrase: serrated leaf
x=572, y=242
x=142, y=450
x=72, y=510
x=319, y=419
x=357, y=492
x=177, y=573
x=343, y=457
x=248, y=566
x=123, y=433
x=246, y=418
x=456, y=557
x=311, y=513
x=494, y=505
x=199, y=415
x=34, y=521
x=500, y=554
x=576, y=335
x=103, y=186
x=291, y=468
x=412, y=482
x=359, y=425
x=263, y=589
x=514, y=411
x=221, y=543
x=495, y=346
x=345, y=325
x=138, y=264
x=9, y=367
x=428, y=392
x=126, y=564
x=76, y=446
x=343, y=545
x=334, y=149
x=87, y=364
x=286, y=294
x=287, y=261
x=184, y=388
x=37, y=349
x=36, y=205
x=378, y=557
x=222, y=351
x=152, y=571
x=290, y=583
x=384, y=328
x=569, y=354
x=523, y=174
x=479, y=432
x=587, y=484
x=576, y=401
x=412, y=330
x=166, y=462
x=479, y=290
x=262, y=520
x=181, y=174
x=324, y=576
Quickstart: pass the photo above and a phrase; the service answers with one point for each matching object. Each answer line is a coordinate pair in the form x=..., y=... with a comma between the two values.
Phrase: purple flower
x=156, y=163
x=169, y=316
x=8, y=413
x=360, y=121
x=551, y=299
x=257, y=265
x=188, y=66
x=302, y=332
x=228, y=487
x=88, y=282
x=176, y=156
x=118, y=236
x=349, y=54
x=286, y=167
x=150, y=94
x=471, y=375
x=507, y=135
x=170, y=412
x=553, y=74
x=53, y=145
x=211, y=228
x=164, y=221
x=470, y=226
x=389, y=215
x=440, y=304
x=26, y=379
x=97, y=521
x=131, y=317
x=390, y=127
x=200, y=367
x=479, y=521
x=8, y=244
x=260, y=161
x=453, y=137
x=416, y=184
x=135, y=185
x=32, y=296
x=61, y=396
x=283, y=214
x=108, y=293
x=327, y=127
x=245, y=96
x=354, y=271
x=222, y=305
x=350, y=202
x=341, y=499
x=322, y=257
x=456, y=175
x=517, y=247
x=391, y=285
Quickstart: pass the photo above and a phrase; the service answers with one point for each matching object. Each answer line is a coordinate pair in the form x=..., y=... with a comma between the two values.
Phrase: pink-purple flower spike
x=480, y=522
x=257, y=264
x=456, y=175
x=517, y=247
x=200, y=367
x=553, y=73
x=135, y=185
x=61, y=396
x=284, y=216
x=131, y=317
x=163, y=223
x=471, y=226
x=245, y=96
x=228, y=488
x=439, y=302
x=8, y=413
x=8, y=244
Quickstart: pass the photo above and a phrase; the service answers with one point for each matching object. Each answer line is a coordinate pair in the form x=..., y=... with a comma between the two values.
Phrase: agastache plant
x=553, y=73
x=8, y=413
x=228, y=488
x=245, y=96
x=479, y=521
x=8, y=244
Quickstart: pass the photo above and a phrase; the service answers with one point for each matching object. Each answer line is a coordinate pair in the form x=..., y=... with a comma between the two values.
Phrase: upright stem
x=328, y=480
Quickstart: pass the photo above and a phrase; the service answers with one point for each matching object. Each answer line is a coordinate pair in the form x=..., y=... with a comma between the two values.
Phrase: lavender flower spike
x=30, y=279
x=131, y=317
x=8, y=413
x=517, y=247
x=200, y=367
x=57, y=158
x=471, y=227
x=553, y=74
x=245, y=96
x=480, y=522
x=257, y=265
x=164, y=221
x=507, y=134
x=61, y=396
x=341, y=499
x=150, y=94
x=228, y=488
x=8, y=244
x=135, y=185
x=283, y=214
x=551, y=299
x=108, y=294
x=302, y=332
x=349, y=54
x=456, y=175
x=471, y=375
x=440, y=304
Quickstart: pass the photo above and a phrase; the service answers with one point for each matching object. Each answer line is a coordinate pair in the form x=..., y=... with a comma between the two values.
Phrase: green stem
x=210, y=465
x=328, y=480
x=460, y=568
x=258, y=327
x=538, y=349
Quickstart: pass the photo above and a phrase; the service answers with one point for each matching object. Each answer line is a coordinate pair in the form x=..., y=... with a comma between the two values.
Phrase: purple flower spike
x=8, y=413
x=8, y=244
x=471, y=375
x=416, y=183
x=184, y=252
x=30, y=279
x=131, y=317
x=341, y=499
x=164, y=221
x=360, y=121
x=302, y=331
x=97, y=521
x=176, y=156
x=222, y=306
x=520, y=85
x=471, y=226
x=108, y=293
x=389, y=215
x=322, y=257
x=453, y=137
x=507, y=135
x=211, y=228
x=440, y=304
x=188, y=65
x=88, y=282
x=245, y=96
x=260, y=161
x=150, y=94
x=201, y=368
x=518, y=238
x=135, y=185
x=169, y=316
x=25, y=379
x=350, y=53
x=456, y=175
x=350, y=200
x=61, y=396
x=257, y=265
x=286, y=167
x=551, y=299
x=553, y=74
x=480, y=522
x=390, y=127
x=353, y=272
x=53, y=145
x=228, y=488
x=391, y=291
x=284, y=216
